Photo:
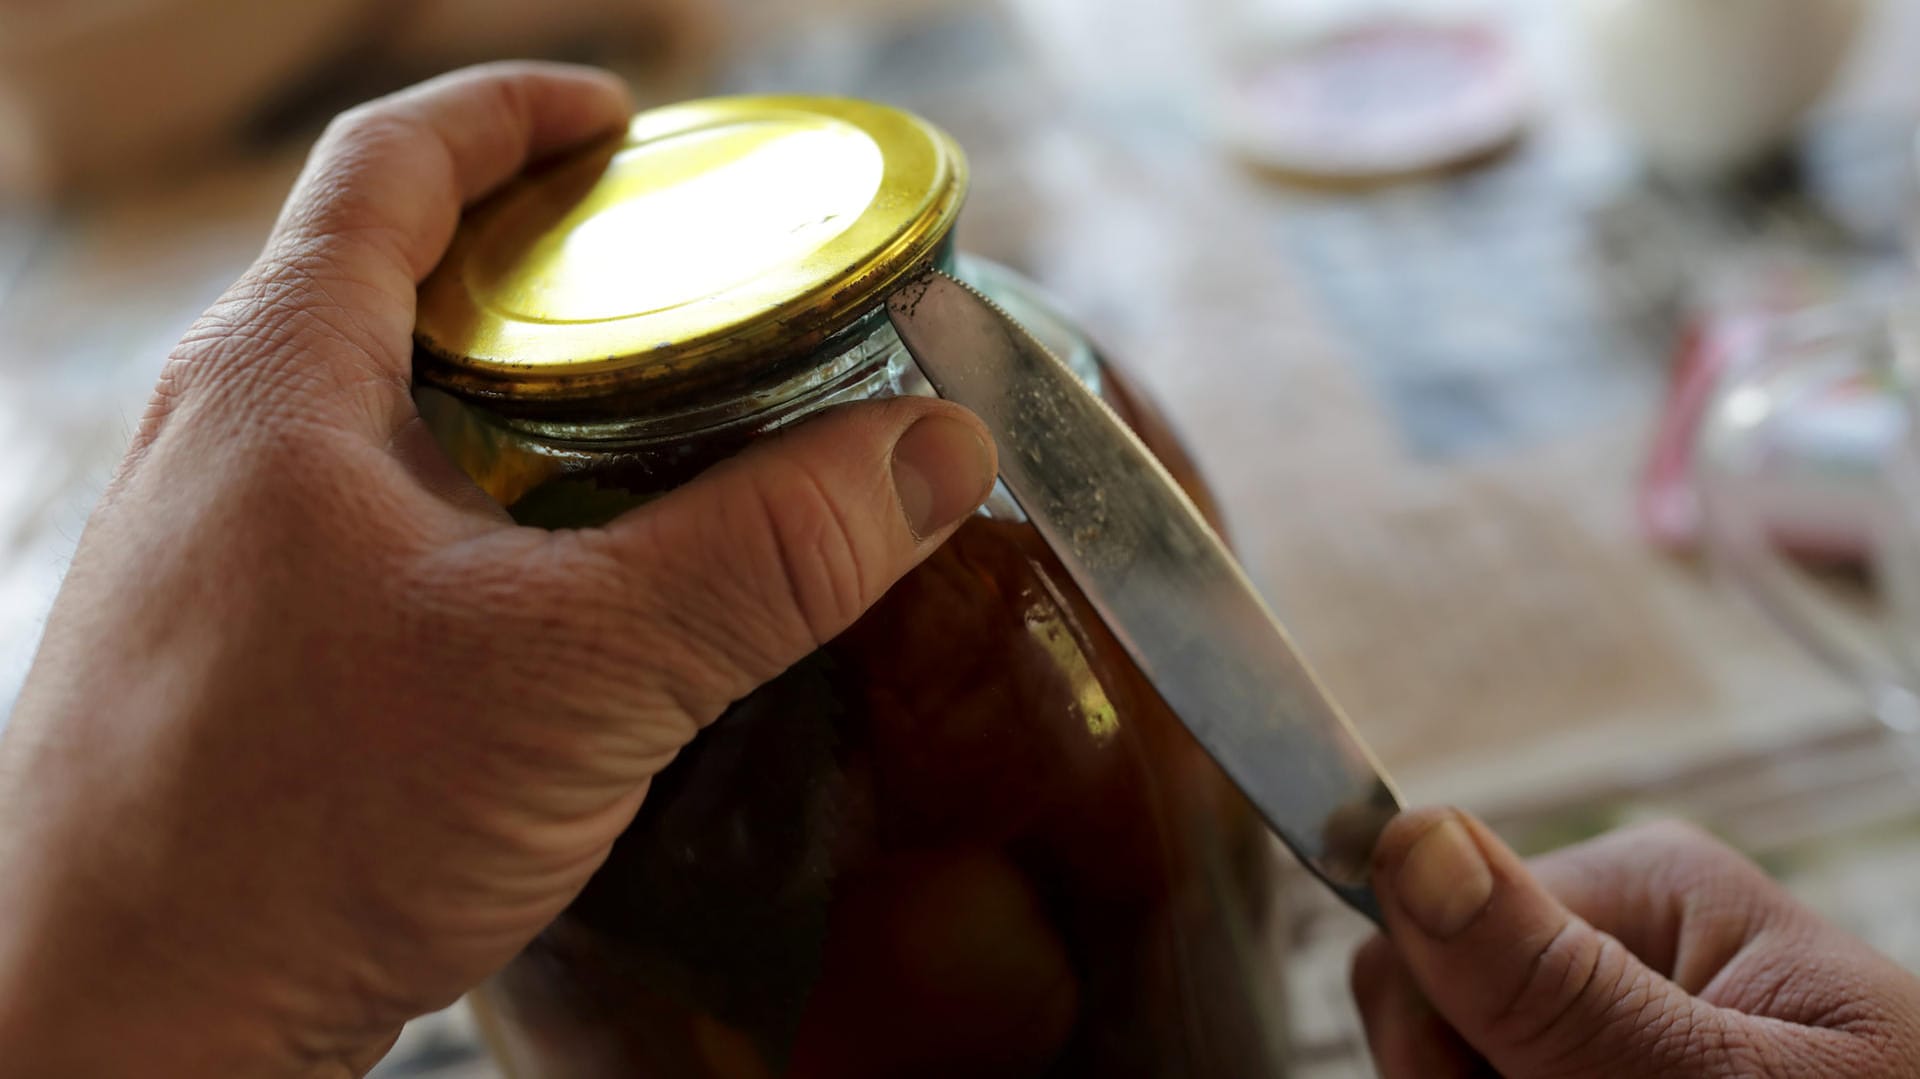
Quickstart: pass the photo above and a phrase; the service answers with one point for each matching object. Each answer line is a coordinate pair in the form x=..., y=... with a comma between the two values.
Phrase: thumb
x=1533, y=988
x=768, y=555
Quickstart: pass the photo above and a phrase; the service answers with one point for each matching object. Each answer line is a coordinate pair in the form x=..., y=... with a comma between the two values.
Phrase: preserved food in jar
x=964, y=838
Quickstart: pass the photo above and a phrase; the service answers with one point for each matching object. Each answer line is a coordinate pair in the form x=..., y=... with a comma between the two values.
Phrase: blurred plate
x=1378, y=101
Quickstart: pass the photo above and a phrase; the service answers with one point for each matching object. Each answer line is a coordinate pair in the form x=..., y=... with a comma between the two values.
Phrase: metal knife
x=1161, y=579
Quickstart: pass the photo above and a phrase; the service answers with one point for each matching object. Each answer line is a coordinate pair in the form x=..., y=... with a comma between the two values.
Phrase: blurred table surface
x=1425, y=407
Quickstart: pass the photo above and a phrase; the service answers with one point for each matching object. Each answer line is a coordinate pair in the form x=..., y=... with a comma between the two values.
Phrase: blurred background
x=1525, y=343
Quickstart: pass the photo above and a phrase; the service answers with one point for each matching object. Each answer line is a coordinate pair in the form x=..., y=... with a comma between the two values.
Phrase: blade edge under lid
x=1162, y=581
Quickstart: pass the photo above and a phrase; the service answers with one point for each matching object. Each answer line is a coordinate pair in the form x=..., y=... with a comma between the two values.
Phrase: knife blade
x=1162, y=581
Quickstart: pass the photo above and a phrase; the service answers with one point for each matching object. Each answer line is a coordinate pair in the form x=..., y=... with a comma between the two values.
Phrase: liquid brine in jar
x=964, y=838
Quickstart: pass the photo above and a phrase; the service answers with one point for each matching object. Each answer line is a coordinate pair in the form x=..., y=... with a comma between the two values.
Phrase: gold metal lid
x=698, y=255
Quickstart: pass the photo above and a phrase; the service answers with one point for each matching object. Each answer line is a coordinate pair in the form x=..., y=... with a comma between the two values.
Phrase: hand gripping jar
x=965, y=838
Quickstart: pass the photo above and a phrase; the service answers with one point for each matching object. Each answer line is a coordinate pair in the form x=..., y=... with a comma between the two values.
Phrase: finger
x=1408, y=1039
x=768, y=555
x=1694, y=908
x=1527, y=983
x=1681, y=901
x=330, y=301
x=383, y=189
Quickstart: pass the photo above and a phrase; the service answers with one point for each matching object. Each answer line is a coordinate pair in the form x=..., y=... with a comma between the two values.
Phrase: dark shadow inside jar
x=965, y=838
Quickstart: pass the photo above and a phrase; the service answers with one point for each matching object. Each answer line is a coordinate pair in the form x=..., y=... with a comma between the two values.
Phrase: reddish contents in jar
x=966, y=838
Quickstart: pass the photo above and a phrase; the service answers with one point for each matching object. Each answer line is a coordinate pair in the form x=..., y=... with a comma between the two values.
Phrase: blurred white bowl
x=1709, y=87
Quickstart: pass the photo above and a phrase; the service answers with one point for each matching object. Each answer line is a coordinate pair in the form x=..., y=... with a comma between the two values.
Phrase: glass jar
x=965, y=837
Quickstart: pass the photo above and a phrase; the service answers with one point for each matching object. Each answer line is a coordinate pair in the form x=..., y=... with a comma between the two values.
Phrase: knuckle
x=1665, y=842
x=365, y=126
x=1716, y=882
x=339, y=195
x=820, y=567
x=1568, y=974
x=1681, y=858
x=509, y=79
x=510, y=103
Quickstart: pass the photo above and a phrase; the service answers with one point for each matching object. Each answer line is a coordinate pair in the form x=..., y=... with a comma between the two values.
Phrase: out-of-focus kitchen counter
x=1424, y=408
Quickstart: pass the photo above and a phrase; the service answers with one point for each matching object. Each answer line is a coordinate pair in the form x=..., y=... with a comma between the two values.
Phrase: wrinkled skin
x=1653, y=951
x=317, y=738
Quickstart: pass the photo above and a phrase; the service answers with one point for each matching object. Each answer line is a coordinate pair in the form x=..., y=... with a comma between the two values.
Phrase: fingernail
x=942, y=470
x=1443, y=882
